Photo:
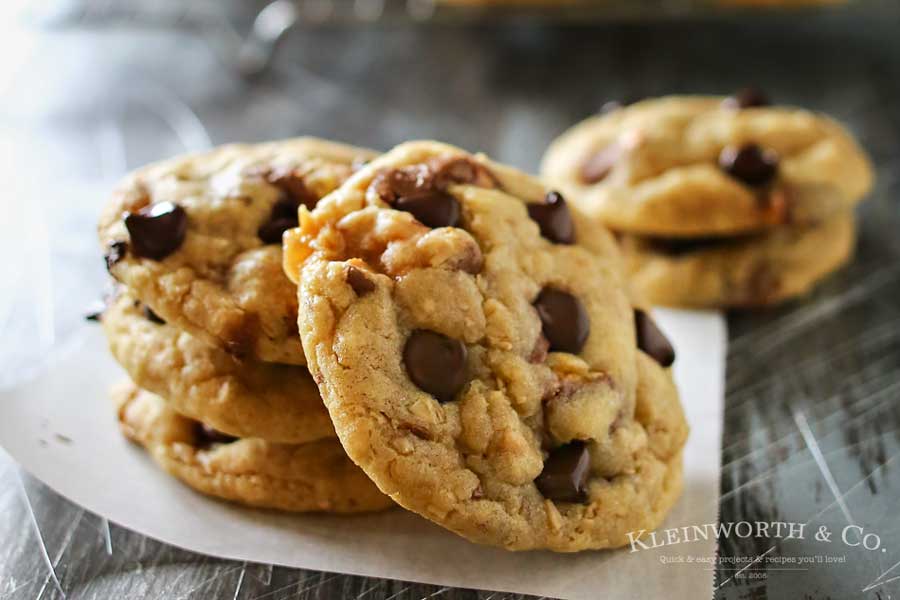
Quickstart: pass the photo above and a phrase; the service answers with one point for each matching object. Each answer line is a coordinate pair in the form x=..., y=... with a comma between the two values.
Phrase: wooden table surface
x=812, y=424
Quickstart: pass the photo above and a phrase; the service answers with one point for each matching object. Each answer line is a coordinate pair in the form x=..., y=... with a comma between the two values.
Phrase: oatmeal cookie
x=483, y=369
x=316, y=476
x=198, y=239
x=755, y=270
x=277, y=403
x=686, y=166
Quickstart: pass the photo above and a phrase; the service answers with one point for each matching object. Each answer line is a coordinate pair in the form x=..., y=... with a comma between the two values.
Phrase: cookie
x=274, y=402
x=480, y=366
x=753, y=270
x=706, y=166
x=316, y=476
x=198, y=239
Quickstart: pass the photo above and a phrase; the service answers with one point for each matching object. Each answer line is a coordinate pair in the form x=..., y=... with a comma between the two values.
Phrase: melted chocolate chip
x=436, y=363
x=748, y=97
x=206, y=436
x=651, y=340
x=554, y=219
x=565, y=474
x=749, y=164
x=115, y=252
x=433, y=209
x=359, y=281
x=598, y=165
x=157, y=230
x=565, y=322
x=152, y=316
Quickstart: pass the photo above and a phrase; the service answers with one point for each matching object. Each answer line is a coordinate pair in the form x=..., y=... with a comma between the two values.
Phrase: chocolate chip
x=421, y=189
x=565, y=322
x=458, y=170
x=651, y=340
x=206, y=436
x=114, y=254
x=433, y=209
x=293, y=187
x=565, y=474
x=282, y=218
x=407, y=181
x=271, y=231
x=598, y=165
x=435, y=363
x=152, y=316
x=748, y=97
x=359, y=281
x=554, y=219
x=157, y=230
x=749, y=164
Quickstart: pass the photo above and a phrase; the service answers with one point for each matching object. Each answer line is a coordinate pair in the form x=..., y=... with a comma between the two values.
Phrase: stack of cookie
x=717, y=202
x=471, y=337
x=204, y=323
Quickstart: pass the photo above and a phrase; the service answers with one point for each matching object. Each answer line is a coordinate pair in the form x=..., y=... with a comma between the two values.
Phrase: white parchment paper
x=61, y=428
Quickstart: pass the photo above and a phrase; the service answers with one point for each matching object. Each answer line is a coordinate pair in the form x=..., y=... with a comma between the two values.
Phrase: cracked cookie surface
x=274, y=402
x=316, y=476
x=695, y=166
x=198, y=239
x=738, y=272
x=481, y=368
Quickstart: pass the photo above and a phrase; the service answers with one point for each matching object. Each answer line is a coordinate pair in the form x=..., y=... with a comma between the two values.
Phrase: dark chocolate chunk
x=749, y=164
x=206, y=436
x=152, y=316
x=157, y=230
x=433, y=209
x=115, y=252
x=359, y=281
x=597, y=165
x=565, y=322
x=565, y=474
x=748, y=97
x=651, y=340
x=436, y=363
x=554, y=219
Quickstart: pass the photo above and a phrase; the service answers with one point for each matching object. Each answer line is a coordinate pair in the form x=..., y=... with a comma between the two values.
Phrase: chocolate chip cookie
x=277, y=403
x=479, y=365
x=688, y=166
x=198, y=239
x=315, y=476
x=754, y=270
